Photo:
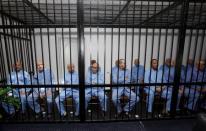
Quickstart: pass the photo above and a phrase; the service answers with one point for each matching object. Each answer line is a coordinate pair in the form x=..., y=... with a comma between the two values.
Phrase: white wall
x=99, y=46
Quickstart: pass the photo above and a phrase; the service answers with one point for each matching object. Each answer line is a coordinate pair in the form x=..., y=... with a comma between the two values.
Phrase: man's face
x=40, y=67
x=70, y=68
x=155, y=64
x=94, y=68
x=190, y=62
x=201, y=65
x=136, y=62
x=168, y=62
x=122, y=64
x=18, y=66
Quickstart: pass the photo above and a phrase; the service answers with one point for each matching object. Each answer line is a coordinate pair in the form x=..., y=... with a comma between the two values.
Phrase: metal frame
x=120, y=19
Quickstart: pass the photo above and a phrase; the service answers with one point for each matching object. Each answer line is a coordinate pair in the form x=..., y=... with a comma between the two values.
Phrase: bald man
x=193, y=92
x=43, y=76
x=71, y=77
x=18, y=77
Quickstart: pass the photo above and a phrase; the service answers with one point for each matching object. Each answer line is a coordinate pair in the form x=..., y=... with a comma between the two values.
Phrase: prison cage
x=83, y=32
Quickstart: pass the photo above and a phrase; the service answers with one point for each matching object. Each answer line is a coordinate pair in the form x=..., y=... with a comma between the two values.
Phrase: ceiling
x=106, y=13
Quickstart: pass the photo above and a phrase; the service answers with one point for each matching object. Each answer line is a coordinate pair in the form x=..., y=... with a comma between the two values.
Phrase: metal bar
x=12, y=17
x=17, y=37
x=160, y=13
x=30, y=4
x=179, y=54
x=121, y=11
x=81, y=60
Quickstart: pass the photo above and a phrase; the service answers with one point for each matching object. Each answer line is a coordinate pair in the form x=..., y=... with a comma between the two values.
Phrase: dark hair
x=153, y=60
x=92, y=62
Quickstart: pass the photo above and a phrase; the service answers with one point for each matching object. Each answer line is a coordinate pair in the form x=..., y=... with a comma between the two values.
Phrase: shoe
x=128, y=114
x=118, y=114
x=103, y=113
x=136, y=116
x=38, y=115
x=64, y=114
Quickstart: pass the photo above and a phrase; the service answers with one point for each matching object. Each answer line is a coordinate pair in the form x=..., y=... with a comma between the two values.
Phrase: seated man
x=137, y=74
x=154, y=75
x=193, y=92
x=18, y=77
x=95, y=76
x=43, y=76
x=168, y=77
x=190, y=64
x=70, y=78
x=115, y=68
x=122, y=76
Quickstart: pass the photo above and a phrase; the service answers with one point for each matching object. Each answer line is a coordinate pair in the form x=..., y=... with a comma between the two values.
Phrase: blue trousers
x=192, y=98
x=116, y=95
x=166, y=94
x=35, y=106
x=98, y=92
x=65, y=94
x=10, y=108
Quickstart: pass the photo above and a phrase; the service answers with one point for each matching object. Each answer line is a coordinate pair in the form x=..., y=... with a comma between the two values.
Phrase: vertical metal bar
x=70, y=43
x=57, y=66
x=62, y=40
x=25, y=19
x=118, y=52
x=98, y=50
x=12, y=46
x=81, y=60
x=159, y=42
x=152, y=42
x=199, y=58
x=34, y=49
x=105, y=47
x=164, y=60
x=180, y=50
x=42, y=59
x=49, y=45
x=90, y=9
x=125, y=56
x=111, y=82
x=32, y=64
x=138, y=54
x=189, y=48
x=145, y=51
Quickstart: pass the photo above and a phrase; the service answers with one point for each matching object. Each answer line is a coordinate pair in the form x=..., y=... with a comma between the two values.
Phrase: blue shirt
x=121, y=76
x=152, y=76
x=169, y=75
x=19, y=78
x=95, y=78
x=196, y=76
x=137, y=73
x=71, y=78
x=44, y=77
